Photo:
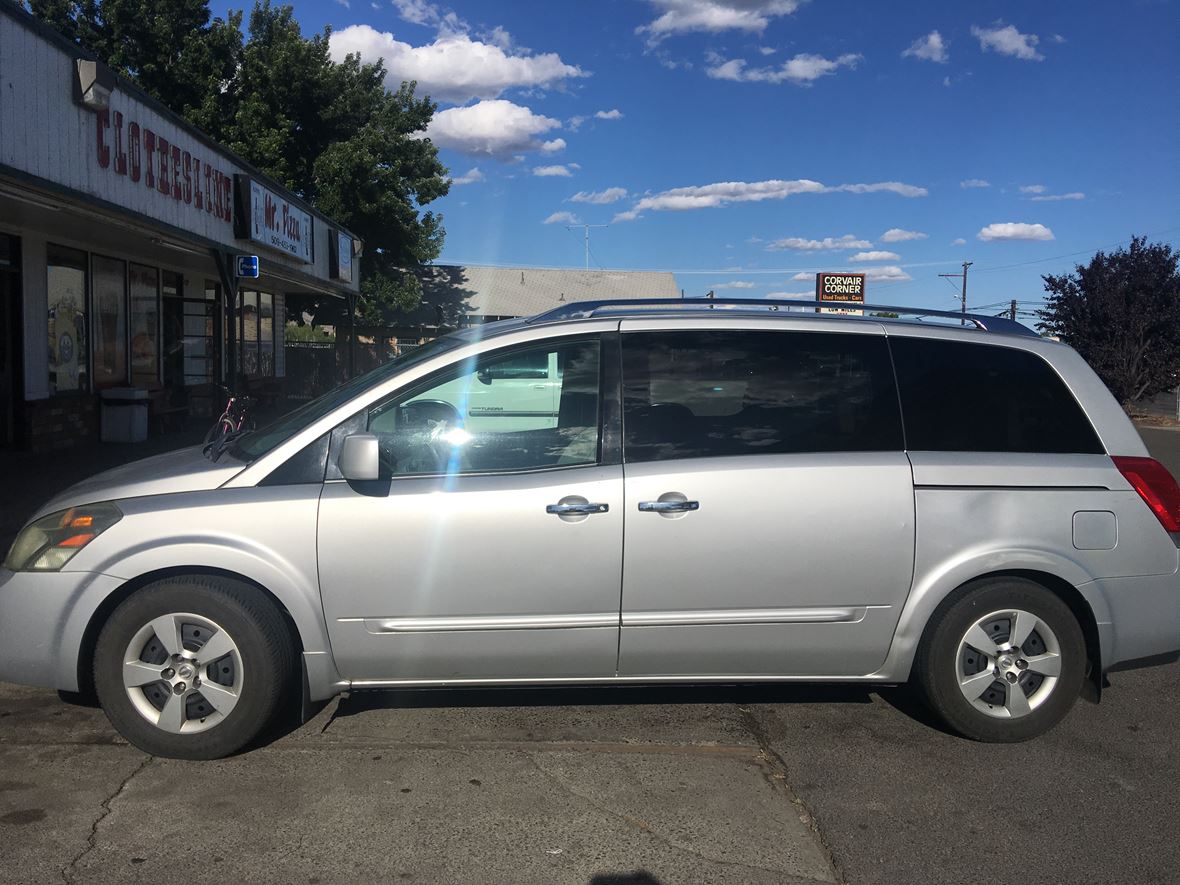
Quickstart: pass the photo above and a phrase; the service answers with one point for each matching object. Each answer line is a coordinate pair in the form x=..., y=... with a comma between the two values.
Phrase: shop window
x=109, y=321
x=266, y=334
x=256, y=333
x=145, y=326
x=66, y=278
x=248, y=351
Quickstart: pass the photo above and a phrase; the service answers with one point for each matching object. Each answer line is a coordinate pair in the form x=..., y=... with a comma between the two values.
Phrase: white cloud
x=767, y=50
x=896, y=187
x=898, y=235
x=734, y=284
x=929, y=48
x=575, y=123
x=345, y=4
x=958, y=241
x=454, y=67
x=1014, y=230
x=974, y=182
x=810, y=294
x=802, y=70
x=562, y=218
x=713, y=16
x=471, y=176
x=875, y=256
x=801, y=244
x=886, y=272
x=612, y=114
x=552, y=147
x=495, y=128
x=552, y=171
x=722, y=193
x=1006, y=40
x=1057, y=38
x=1032, y=189
x=610, y=195
x=417, y=12
x=1053, y=198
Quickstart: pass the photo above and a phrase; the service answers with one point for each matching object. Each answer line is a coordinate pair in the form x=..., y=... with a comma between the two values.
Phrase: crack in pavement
x=67, y=872
x=645, y=827
x=777, y=773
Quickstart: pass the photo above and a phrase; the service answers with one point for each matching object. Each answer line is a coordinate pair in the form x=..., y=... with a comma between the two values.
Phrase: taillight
x=1155, y=486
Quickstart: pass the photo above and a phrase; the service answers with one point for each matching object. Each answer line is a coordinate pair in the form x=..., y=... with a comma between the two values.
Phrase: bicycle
x=234, y=419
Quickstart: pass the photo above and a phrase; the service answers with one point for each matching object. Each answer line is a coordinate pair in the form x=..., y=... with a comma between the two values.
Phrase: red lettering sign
x=120, y=154
x=144, y=155
x=103, y=119
x=149, y=148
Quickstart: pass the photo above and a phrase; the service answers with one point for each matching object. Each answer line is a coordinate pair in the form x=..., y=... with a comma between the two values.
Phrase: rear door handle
x=565, y=509
x=669, y=506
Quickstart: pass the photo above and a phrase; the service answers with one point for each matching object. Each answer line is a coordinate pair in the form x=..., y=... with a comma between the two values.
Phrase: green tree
x=1121, y=312
x=330, y=132
x=173, y=49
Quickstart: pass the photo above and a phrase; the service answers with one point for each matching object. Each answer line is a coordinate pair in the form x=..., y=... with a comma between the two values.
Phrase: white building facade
x=120, y=230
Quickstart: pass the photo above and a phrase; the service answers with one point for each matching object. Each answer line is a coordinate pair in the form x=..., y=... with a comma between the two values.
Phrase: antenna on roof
x=586, y=228
x=522, y=277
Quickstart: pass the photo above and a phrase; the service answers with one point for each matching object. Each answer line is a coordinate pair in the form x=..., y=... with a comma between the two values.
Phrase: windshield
x=254, y=445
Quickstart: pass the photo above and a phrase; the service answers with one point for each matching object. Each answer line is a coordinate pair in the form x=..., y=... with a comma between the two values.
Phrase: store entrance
x=10, y=337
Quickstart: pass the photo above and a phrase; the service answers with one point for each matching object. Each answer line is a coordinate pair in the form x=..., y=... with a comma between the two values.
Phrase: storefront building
x=120, y=230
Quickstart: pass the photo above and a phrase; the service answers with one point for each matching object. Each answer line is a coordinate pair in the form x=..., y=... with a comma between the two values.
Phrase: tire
x=174, y=703
x=218, y=431
x=952, y=674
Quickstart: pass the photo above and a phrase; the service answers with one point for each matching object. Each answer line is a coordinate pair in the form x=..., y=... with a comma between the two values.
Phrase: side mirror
x=484, y=375
x=359, y=457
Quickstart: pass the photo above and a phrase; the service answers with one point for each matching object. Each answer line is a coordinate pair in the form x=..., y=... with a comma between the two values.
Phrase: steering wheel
x=429, y=421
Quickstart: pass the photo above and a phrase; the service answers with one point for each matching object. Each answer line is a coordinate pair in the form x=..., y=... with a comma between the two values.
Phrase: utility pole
x=966, y=264
x=586, y=229
x=1012, y=311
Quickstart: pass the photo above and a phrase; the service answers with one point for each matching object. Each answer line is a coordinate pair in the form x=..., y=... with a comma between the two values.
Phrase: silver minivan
x=638, y=492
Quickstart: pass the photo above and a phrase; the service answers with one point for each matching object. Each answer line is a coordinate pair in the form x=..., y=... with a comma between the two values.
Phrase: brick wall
x=61, y=422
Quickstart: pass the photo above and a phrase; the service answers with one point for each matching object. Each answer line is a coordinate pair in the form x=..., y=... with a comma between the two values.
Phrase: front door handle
x=576, y=509
x=669, y=506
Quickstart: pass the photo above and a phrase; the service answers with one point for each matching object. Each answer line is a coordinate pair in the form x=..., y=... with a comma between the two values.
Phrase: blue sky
x=748, y=144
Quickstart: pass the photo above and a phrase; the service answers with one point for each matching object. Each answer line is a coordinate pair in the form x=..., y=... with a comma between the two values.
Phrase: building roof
x=452, y=292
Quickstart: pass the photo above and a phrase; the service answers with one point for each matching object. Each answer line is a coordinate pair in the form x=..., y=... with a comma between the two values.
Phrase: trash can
x=124, y=414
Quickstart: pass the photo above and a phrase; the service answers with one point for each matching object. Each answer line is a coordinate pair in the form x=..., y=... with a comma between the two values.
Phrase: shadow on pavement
x=361, y=701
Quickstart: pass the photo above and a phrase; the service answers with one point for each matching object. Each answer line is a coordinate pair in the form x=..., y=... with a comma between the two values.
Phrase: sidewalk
x=30, y=478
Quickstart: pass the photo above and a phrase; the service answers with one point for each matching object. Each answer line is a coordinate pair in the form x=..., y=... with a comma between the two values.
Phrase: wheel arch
x=100, y=615
x=1062, y=576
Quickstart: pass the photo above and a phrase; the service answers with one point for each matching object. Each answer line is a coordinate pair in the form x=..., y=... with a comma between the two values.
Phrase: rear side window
x=695, y=394
x=962, y=397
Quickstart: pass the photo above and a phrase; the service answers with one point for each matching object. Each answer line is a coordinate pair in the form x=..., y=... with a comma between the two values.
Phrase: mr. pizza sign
x=270, y=220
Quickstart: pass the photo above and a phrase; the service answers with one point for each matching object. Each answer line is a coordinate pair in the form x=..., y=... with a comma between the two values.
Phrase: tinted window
x=959, y=397
x=700, y=394
x=526, y=409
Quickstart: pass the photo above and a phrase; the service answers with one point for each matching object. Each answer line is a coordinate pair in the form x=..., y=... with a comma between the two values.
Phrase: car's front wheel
x=193, y=667
x=1002, y=660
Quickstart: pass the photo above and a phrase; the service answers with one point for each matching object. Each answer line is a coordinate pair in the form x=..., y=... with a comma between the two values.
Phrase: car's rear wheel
x=193, y=667
x=1002, y=660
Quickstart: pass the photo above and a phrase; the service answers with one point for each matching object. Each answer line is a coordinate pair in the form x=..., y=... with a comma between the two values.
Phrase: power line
x=986, y=269
x=966, y=264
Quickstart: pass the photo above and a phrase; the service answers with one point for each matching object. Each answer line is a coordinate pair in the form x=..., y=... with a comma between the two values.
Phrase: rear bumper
x=1144, y=620
x=43, y=616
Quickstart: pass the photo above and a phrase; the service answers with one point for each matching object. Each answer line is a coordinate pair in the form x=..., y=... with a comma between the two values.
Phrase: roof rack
x=584, y=309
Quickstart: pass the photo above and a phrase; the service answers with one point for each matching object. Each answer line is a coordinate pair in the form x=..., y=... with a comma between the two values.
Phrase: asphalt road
x=778, y=784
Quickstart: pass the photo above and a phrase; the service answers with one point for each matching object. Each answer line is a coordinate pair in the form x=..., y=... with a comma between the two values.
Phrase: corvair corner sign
x=845, y=288
x=264, y=217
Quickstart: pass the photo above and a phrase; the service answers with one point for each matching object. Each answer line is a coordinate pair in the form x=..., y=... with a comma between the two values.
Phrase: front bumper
x=43, y=617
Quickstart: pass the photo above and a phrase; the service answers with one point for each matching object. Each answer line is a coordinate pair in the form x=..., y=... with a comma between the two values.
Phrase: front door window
x=528, y=409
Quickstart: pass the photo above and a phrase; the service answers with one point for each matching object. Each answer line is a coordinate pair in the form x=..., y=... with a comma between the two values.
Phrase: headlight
x=49, y=543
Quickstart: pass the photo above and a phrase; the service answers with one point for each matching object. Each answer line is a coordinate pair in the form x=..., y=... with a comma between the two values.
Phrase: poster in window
x=67, y=327
x=109, y=322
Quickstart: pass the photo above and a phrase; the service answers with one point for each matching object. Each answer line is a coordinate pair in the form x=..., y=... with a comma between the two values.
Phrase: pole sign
x=842, y=288
x=248, y=266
